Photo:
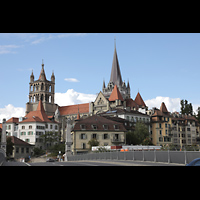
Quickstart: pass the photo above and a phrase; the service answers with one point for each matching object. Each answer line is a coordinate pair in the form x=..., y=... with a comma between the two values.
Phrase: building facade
x=106, y=131
x=33, y=126
x=161, y=122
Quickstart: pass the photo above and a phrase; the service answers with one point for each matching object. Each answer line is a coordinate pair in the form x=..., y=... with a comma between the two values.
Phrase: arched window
x=50, y=88
x=42, y=86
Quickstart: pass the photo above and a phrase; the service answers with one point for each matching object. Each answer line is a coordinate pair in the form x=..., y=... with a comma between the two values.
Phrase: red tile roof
x=139, y=100
x=73, y=109
x=116, y=95
x=163, y=108
x=13, y=120
x=99, y=121
x=37, y=116
x=17, y=141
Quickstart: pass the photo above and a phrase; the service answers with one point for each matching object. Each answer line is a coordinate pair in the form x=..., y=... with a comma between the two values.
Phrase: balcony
x=117, y=140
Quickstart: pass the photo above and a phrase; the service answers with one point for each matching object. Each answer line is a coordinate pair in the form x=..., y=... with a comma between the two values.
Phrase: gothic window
x=34, y=98
x=34, y=88
x=42, y=86
x=31, y=88
x=50, y=88
x=42, y=97
x=50, y=99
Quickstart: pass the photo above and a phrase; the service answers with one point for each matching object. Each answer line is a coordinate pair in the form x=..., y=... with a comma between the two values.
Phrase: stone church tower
x=44, y=90
x=116, y=79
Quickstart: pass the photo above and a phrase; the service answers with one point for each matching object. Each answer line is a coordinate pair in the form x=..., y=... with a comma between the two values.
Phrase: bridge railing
x=181, y=157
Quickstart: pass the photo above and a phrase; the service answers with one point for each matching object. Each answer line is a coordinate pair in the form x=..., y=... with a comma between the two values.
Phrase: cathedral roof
x=74, y=109
x=139, y=100
x=37, y=116
x=115, y=76
x=116, y=95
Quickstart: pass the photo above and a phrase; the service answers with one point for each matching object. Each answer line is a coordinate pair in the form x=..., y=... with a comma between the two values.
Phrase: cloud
x=44, y=37
x=71, y=97
x=172, y=104
x=5, y=49
x=72, y=80
x=10, y=111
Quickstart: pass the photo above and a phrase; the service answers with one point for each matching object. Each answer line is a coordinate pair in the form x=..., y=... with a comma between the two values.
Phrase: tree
x=139, y=136
x=93, y=142
x=50, y=137
x=186, y=108
x=9, y=146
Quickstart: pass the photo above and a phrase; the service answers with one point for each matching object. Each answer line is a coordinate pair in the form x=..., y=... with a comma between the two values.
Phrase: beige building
x=161, y=122
x=106, y=131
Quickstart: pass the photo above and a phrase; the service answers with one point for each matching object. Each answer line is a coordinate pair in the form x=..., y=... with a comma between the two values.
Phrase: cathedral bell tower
x=44, y=90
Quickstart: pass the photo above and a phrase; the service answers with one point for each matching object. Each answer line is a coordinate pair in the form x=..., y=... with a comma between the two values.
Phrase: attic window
x=105, y=127
x=82, y=126
x=116, y=127
x=94, y=127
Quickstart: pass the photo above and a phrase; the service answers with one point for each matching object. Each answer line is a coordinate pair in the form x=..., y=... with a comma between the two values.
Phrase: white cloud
x=172, y=104
x=72, y=97
x=71, y=80
x=5, y=49
x=10, y=111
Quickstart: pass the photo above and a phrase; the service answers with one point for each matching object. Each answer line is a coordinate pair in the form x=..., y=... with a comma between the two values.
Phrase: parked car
x=50, y=160
x=195, y=162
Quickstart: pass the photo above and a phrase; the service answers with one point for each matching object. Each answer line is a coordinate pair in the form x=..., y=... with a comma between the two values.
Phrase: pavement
x=92, y=163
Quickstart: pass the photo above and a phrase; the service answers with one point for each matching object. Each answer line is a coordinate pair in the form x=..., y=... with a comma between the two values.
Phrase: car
x=195, y=162
x=50, y=160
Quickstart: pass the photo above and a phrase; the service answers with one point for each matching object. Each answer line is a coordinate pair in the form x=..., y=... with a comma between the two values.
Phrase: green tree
x=93, y=142
x=139, y=136
x=186, y=108
x=9, y=146
x=198, y=114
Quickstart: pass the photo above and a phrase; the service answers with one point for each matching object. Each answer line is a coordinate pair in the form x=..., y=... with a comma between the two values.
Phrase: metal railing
x=181, y=157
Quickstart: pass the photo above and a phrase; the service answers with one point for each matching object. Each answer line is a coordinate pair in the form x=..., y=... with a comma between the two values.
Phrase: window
x=82, y=126
x=22, y=150
x=160, y=132
x=30, y=133
x=83, y=145
x=23, y=127
x=105, y=136
x=94, y=127
x=46, y=126
x=56, y=127
x=51, y=126
x=105, y=127
x=30, y=127
x=17, y=149
x=116, y=127
x=83, y=136
x=160, y=125
x=94, y=136
x=27, y=140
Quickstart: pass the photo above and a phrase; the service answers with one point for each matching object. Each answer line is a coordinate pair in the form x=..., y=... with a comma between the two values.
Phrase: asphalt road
x=92, y=163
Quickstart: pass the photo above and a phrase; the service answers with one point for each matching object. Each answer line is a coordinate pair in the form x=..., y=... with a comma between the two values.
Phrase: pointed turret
x=32, y=77
x=53, y=77
x=42, y=76
x=115, y=76
x=163, y=108
x=139, y=100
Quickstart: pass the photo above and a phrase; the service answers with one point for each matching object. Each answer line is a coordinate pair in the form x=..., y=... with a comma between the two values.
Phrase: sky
x=163, y=67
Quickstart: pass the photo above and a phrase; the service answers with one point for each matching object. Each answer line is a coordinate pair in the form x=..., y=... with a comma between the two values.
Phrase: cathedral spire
x=115, y=76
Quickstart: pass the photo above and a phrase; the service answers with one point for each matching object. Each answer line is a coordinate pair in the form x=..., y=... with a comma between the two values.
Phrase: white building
x=32, y=126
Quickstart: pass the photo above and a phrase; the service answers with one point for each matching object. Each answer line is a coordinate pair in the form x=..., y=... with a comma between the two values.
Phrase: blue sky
x=163, y=65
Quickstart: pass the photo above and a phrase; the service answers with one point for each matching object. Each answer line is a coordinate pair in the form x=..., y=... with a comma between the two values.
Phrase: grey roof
x=115, y=76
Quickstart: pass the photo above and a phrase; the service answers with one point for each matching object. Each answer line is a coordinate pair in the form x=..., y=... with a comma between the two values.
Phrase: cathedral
x=115, y=96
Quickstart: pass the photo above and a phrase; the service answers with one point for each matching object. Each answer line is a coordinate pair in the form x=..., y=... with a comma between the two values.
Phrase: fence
x=181, y=157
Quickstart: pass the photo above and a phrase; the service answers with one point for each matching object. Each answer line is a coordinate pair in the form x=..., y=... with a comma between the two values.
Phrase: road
x=92, y=163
